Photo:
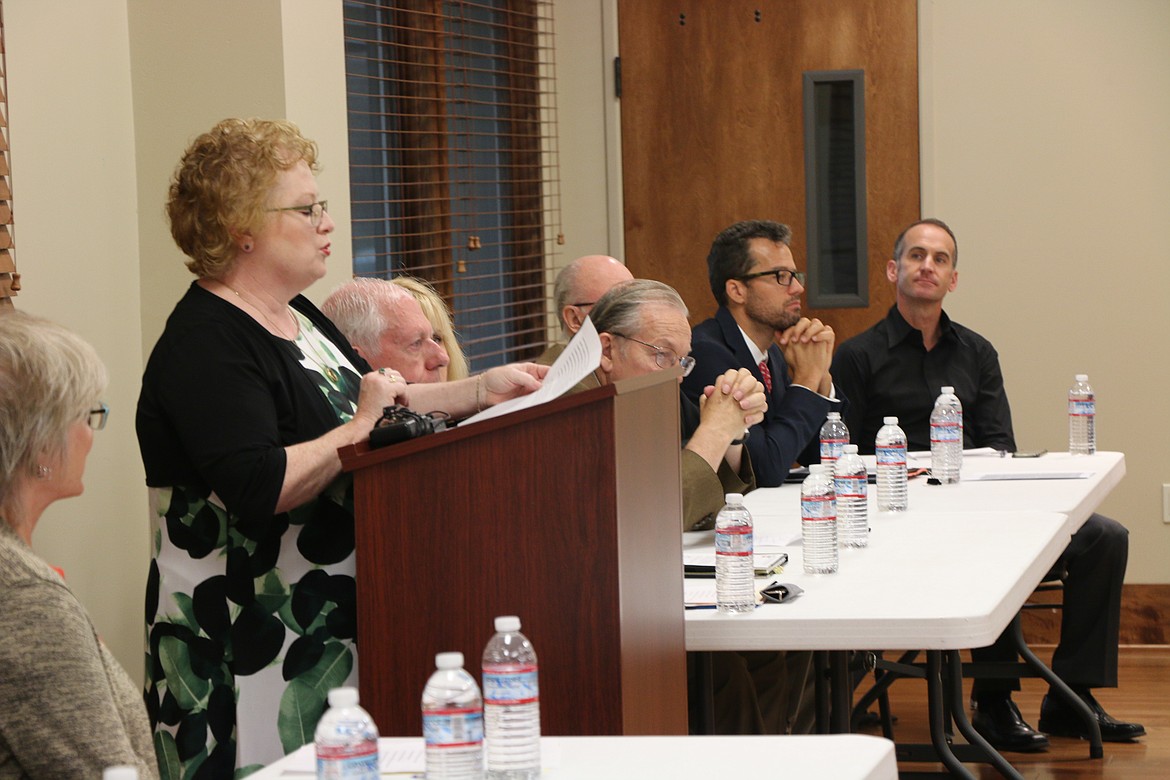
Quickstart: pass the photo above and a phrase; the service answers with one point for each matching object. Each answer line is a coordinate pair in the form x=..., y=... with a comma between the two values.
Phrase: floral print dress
x=250, y=619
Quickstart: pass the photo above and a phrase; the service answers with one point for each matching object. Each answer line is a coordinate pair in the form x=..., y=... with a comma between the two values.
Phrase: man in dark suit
x=758, y=326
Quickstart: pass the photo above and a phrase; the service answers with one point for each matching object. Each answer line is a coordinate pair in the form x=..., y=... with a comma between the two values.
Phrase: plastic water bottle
x=834, y=436
x=511, y=703
x=347, y=740
x=452, y=715
x=735, y=589
x=1082, y=417
x=946, y=437
x=891, y=466
x=851, y=483
x=818, y=521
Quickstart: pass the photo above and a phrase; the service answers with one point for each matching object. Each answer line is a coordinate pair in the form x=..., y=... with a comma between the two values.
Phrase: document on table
x=1005, y=475
x=580, y=358
x=700, y=561
x=399, y=760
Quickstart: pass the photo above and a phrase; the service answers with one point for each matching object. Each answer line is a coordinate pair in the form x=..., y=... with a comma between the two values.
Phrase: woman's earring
x=42, y=472
x=247, y=247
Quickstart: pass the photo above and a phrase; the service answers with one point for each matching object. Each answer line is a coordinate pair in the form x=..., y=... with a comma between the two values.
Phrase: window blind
x=9, y=278
x=454, y=172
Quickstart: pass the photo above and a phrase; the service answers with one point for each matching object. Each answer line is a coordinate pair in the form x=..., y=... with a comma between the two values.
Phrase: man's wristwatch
x=747, y=432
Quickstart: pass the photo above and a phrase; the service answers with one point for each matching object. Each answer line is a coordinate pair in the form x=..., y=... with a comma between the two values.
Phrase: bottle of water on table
x=346, y=739
x=735, y=589
x=834, y=436
x=1082, y=417
x=890, y=447
x=818, y=521
x=452, y=715
x=851, y=483
x=511, y=703
x=946, y=437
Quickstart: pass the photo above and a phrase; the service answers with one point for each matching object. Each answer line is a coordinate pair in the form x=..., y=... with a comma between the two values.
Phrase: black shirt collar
x=898, y=330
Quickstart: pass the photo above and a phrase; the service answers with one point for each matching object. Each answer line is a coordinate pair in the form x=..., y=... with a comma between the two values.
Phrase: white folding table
x=834, y=757
x=950, y=573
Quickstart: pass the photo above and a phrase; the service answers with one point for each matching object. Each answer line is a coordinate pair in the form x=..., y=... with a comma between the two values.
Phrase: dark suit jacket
x=789, y=432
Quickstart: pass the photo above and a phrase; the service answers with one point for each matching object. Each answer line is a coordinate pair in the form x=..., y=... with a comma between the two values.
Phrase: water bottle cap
x=733, y=498
x=890, y=420
x=833, y=416
x=508, y=624
x=948, y=390
x=849, y=449
x=816, y=468
x=343, y=697
x=1082, y=377
x=453, y=660
x=120, y=773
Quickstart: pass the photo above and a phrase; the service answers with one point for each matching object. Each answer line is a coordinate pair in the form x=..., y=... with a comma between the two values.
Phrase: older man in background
x=577, y=288
x=643, y=327
x=387, y=326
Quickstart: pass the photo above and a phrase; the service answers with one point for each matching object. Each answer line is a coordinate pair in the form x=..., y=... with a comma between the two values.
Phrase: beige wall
x=76, y=209
x=1035, y=123
x=1044, y=145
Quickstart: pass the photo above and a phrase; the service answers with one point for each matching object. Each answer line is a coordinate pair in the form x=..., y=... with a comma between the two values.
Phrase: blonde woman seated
x=434, y=308
x=67, y=709
x=399, y=324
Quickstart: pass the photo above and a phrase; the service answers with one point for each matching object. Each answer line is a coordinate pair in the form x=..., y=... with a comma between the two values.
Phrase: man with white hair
x=387, y=327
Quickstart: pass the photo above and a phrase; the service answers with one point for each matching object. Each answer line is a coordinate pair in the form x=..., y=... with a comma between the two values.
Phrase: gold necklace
x=264, y=314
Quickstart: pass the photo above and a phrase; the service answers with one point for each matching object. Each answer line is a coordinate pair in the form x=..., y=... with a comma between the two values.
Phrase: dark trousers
x=1086, y=657
x=758, y=692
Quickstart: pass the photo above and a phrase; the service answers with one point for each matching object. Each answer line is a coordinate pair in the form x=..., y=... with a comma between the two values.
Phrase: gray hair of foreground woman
x=49, y=379
x=620, y=309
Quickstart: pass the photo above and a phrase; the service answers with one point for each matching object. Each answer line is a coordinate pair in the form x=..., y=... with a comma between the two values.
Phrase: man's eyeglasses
x=663, y=356
x=588, y=305
x=98, y=417
x=314, y=211
x=783, y=276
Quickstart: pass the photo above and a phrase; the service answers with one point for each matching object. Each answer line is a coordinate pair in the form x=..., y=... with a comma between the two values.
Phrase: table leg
x=937, y=716
x=954, y=674
x=1096, y=749
x=841, y=690
x=821, y=688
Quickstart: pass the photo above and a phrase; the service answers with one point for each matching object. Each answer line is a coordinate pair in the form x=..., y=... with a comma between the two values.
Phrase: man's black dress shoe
x=1060, y=720
x=1000, y=723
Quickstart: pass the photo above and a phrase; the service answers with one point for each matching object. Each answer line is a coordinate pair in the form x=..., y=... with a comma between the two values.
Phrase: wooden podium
x=568, y=515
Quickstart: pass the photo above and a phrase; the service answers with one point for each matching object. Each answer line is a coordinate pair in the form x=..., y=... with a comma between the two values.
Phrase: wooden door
x=712, y=128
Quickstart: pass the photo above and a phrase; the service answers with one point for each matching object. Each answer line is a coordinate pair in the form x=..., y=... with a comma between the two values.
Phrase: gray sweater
x=67, y=708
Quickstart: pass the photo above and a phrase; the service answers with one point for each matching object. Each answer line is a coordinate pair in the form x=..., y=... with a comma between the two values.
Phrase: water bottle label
x=457, y=727
x=818, y=508
x=945, y=432
x=511, y=684
x=831, y=449
x=850, y=487
x=343, y=762
x=891, y=456
x=734, y=541
x=1082, y=408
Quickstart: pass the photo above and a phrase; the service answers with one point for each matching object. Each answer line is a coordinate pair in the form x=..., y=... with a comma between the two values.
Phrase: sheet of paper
x=390, y=760
x=761, y=560
x=991, y=476
x=580, y=358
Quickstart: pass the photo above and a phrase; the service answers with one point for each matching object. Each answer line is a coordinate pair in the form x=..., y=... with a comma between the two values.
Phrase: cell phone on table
x=1029, y=453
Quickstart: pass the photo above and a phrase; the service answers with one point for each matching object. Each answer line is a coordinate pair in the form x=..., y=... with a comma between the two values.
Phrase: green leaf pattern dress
x=251, y=623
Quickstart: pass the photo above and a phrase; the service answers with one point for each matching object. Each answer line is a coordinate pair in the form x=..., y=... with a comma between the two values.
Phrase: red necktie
x=767, y=375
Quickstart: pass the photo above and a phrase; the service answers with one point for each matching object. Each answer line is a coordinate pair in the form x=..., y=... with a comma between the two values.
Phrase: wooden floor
x=1143, y=696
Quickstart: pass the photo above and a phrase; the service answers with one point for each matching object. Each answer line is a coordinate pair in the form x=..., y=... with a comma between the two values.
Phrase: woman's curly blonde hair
x=220, y=189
